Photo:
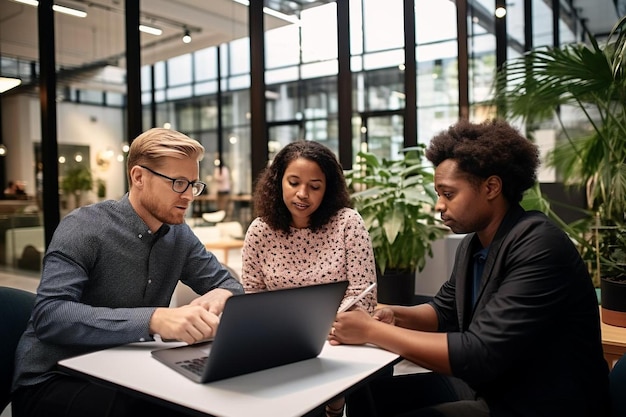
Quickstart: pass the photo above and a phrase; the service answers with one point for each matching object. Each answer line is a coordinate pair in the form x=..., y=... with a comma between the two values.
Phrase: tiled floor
x=19, y=279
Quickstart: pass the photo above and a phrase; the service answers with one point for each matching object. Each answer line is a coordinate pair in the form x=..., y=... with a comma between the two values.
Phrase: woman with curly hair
x=305, y=231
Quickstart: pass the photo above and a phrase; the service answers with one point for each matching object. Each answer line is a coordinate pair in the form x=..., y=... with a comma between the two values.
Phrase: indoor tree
x=586, y=82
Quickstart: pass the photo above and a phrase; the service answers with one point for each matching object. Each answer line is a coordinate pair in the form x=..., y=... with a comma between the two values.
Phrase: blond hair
x=157, y=143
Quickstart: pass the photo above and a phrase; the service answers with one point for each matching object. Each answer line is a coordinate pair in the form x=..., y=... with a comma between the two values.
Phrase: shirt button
x=140, y=235
x=149, y=281
x=142, y=340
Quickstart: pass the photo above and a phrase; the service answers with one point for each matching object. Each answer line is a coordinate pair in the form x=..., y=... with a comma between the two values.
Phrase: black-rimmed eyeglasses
x=180, y=185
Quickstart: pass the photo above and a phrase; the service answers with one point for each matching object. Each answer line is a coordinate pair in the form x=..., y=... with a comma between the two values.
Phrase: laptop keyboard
x=194, y=365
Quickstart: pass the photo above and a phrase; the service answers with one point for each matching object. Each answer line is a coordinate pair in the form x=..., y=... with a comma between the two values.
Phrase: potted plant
x=589, y=82
x=75, y=181
x=396, y=200
x=101, y=188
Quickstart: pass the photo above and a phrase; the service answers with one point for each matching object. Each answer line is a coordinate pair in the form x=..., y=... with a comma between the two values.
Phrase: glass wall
x=193, y=91
x=437, y=67
x=542, y=24
x=301, y=77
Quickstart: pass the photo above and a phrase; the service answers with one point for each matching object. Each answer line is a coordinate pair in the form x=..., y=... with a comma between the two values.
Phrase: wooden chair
x=214, y=217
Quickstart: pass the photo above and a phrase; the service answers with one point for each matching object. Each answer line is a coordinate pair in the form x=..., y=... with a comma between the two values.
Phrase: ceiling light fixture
x=29, y=2
x=500, y=12
x=69, y=10
x=72, y=11
x=272, y=12
x=187, y=36
x=7, y=83
x=151, y=30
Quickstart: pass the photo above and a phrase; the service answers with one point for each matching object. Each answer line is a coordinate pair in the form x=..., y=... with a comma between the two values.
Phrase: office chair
x=617, y=387
x=214, y=217
x=15, y=309
x=232, y=230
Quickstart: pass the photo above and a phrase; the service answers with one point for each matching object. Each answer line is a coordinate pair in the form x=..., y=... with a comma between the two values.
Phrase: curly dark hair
x=490, y=148
x=268, y=191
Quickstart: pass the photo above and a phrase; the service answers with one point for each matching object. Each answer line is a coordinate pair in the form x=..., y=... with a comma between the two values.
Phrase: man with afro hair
x=515, y=330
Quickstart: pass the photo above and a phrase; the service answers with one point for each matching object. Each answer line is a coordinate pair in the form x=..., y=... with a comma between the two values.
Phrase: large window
x=383, y=27
x=301, y=75
x=542, y=24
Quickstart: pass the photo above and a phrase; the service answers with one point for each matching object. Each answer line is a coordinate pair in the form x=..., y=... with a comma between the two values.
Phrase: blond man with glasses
x=108, y=276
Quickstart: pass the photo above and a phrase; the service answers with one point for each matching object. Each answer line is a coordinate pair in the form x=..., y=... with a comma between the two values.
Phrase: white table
x=286, y=391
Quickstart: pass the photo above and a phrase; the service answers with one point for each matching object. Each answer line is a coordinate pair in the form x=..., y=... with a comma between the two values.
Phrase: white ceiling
x=600, y=15
x=100, y=36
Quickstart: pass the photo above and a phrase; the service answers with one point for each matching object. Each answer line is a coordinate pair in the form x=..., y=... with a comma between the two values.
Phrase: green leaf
x=588, y=83
x=395, y=224
x=397, y=207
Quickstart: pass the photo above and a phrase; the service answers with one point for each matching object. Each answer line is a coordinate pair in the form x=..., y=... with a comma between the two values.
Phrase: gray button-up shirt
x=104, y=274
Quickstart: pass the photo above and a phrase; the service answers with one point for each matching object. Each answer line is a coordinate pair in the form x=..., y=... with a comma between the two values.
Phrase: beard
x=164, y=213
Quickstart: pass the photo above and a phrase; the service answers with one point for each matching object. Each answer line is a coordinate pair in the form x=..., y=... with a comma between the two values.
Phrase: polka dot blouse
x=341, y=250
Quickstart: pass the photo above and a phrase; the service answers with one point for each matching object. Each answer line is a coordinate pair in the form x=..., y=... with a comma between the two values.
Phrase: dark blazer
x=532, y=345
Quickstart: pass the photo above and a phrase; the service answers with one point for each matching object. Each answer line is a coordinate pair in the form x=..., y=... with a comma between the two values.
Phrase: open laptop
x=260, y=331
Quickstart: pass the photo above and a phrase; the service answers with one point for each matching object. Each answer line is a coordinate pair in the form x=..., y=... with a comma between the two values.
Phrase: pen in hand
x=357, y=298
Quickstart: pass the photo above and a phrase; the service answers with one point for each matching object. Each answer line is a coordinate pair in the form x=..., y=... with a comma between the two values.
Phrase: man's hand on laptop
x=190, y=324
x=213, y=301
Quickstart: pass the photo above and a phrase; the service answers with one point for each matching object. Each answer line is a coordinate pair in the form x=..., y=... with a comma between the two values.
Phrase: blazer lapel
x=463, y=278
x=512, y=217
